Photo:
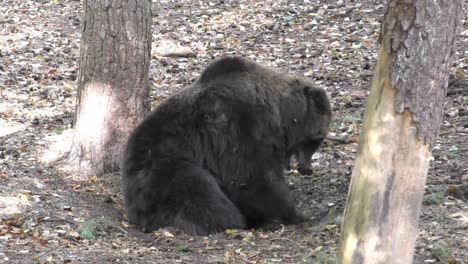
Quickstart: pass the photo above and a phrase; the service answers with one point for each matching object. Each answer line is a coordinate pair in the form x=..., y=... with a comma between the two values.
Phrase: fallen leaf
x=73, y=234
x=230, y=232
x=367, y=43
x=168, y=234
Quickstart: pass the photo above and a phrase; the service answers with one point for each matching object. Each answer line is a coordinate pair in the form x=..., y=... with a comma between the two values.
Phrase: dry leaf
x=73, y=234
x=168, y=234
x=367, y=43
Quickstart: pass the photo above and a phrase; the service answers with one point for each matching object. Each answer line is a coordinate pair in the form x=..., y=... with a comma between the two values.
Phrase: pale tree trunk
x=113, y=92
x=401, y=122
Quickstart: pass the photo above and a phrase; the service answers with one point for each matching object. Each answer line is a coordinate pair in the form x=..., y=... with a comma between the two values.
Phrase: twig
x=115, y=225
x=341, y=140
x=287, y=239
x=56, y=219
x=282, y=229
x=246, y=260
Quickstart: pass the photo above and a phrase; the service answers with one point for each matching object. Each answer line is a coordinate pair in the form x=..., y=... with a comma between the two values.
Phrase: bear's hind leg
x=204, y=208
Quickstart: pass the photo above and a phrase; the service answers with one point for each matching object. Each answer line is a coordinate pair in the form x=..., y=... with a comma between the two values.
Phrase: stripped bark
x=113, y=92
x=401, y=122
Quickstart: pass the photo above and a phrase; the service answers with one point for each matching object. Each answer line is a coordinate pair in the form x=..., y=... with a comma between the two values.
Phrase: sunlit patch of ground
x=13, y=205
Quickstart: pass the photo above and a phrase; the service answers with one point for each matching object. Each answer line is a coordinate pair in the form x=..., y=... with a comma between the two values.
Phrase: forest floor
x=47, y=216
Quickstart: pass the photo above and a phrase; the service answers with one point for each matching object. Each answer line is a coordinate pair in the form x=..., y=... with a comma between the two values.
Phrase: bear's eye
x=209, y=116
x=214, y=117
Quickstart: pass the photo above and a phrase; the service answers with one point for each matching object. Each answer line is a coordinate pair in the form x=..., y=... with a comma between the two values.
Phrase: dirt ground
x=47, y=216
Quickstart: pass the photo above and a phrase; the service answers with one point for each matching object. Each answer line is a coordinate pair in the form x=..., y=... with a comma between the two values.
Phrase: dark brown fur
x=211, y=156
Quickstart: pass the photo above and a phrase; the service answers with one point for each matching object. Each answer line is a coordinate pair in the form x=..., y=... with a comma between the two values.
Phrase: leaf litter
x=47, y=217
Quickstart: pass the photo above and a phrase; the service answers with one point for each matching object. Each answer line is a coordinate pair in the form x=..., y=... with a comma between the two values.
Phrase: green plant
x=87, y=229
x=434, y=199
x=182, y=248
x=442, y=252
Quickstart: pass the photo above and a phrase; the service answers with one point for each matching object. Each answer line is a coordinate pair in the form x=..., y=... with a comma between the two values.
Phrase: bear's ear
x=225, y=66
x=319, y=97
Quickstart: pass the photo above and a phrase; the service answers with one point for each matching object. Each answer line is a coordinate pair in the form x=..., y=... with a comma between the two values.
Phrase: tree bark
x=401, y=122
x=113, y=92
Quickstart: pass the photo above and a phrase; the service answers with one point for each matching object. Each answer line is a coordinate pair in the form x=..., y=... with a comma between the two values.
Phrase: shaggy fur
x=211, y=156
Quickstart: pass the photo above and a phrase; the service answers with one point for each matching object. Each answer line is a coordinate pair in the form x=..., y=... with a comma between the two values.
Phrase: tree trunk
x=401, y=122
x=113, y=92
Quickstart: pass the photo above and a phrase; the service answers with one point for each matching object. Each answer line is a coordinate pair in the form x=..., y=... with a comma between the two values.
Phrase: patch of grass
x=87, y=229
x=453, y=153
x=434, y=199
x=182, y=248
x=352, y=119
x=443, y=253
